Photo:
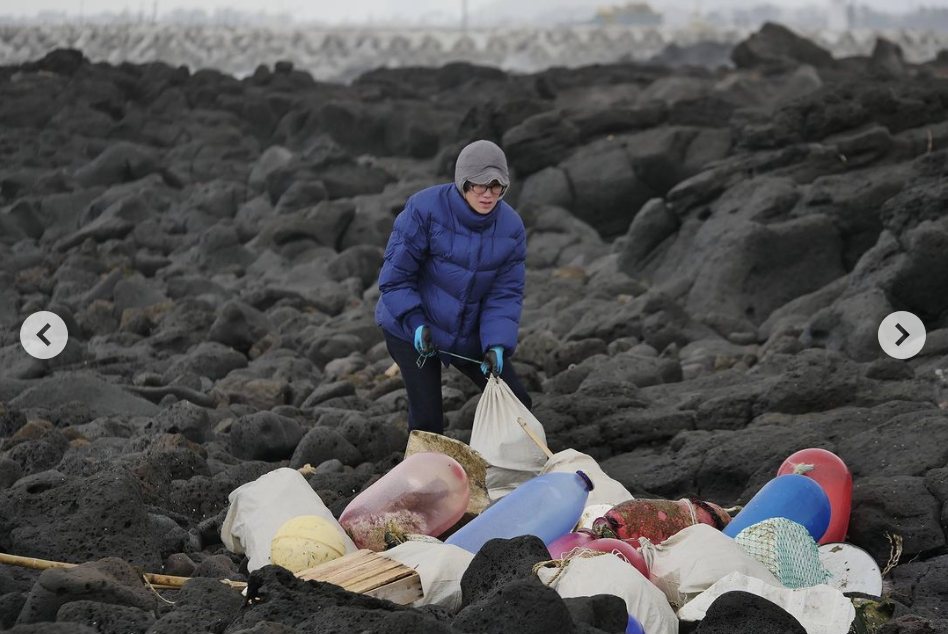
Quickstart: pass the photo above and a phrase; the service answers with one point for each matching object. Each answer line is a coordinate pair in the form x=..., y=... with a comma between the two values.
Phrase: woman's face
x=481, y=198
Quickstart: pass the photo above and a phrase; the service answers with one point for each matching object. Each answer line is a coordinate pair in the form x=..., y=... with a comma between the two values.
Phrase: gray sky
x=336, y=11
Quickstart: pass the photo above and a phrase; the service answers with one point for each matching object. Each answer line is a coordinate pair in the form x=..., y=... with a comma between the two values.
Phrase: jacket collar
x=467, y=216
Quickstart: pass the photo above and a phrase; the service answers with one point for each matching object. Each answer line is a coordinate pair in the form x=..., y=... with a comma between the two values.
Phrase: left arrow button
x=43, y=332
x=44, y=335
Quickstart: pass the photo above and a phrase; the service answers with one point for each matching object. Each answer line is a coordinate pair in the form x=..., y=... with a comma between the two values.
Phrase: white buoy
x=852, y=569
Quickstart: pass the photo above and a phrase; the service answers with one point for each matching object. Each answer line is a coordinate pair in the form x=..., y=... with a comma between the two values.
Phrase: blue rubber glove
x=423, y=341
x=493, y=361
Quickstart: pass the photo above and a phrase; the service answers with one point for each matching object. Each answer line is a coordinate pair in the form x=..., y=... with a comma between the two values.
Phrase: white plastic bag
x=605, y=491
x=498, y=437
x=607, y=574
x=258, y=509
x=695, y=558
x=819, y=609
x=440, y=567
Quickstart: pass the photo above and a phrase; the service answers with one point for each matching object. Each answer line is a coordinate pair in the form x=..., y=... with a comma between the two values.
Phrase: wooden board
x=367, y=572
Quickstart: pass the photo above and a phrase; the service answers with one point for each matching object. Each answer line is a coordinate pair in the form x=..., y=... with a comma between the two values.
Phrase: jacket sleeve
x=501, y=306
x=398, y=279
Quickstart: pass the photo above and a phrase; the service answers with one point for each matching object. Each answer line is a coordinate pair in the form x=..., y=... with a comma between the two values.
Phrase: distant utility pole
x=464, y=15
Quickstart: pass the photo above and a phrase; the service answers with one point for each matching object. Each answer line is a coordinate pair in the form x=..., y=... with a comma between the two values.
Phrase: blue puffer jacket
x=459, y=272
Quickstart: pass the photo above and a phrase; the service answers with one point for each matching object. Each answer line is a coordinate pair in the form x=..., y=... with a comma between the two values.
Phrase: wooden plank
x=370, y=580
x=369, y=585
x=373, y=570
x=320, y=572
x=369, y=573
x=402, y=592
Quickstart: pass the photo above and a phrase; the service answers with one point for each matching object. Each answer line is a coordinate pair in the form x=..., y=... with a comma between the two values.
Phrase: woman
x=452, y=283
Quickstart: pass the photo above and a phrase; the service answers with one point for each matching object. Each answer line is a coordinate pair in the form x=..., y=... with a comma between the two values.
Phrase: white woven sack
x=260, y=508
x=499, y=438
x=607, y=574
x=440, y=567
x=819, y=609
x=605, y=491
x=695, y=558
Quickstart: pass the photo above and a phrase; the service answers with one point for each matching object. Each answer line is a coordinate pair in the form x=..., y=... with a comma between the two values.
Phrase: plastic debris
x=851, y=569
x=426, y=493
x=794, y=497
x=546, y=506
x=306, y=541
x=657, y=520
x=832, y=474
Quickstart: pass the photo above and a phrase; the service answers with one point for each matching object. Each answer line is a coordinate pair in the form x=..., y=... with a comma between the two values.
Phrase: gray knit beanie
x=480, y=163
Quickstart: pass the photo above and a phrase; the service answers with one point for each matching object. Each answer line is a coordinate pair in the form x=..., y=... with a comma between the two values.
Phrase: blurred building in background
x=525, y=36
x=631, y=14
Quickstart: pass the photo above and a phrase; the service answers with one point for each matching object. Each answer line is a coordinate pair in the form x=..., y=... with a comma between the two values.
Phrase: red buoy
x=832, y=474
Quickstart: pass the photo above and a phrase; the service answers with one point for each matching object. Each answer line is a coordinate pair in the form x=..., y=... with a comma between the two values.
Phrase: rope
x=691, y=509
x=560, y=564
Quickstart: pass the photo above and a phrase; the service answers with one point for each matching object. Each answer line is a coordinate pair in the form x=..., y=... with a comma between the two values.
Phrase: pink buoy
x=586, y=540
x=427, y=493
x=624, y=549
x=568, y=542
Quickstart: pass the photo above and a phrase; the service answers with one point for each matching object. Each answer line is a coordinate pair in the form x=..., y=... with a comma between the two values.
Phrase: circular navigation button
x=44, y=334
x=902, y=335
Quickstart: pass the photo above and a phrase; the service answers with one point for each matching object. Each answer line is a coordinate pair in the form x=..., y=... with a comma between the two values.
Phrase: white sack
x=513, y=456
x=820, y=609
x=605, y=491
x=258, y=509
x=695, y=558
x=607, y=574
x=440, y=567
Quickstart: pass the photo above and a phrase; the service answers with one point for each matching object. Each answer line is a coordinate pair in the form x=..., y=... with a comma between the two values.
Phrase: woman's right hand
x=423, y=341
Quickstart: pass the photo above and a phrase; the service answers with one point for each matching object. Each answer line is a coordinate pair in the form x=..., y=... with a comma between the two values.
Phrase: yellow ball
x=306, y=541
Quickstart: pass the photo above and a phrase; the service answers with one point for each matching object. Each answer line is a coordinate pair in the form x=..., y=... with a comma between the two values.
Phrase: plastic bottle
x=427, y=493
x=831, y=473
x=792, y=496
x=547, y=506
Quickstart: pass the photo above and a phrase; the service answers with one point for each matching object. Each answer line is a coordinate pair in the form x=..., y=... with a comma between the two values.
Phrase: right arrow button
x=904, y=334
x=901, y=335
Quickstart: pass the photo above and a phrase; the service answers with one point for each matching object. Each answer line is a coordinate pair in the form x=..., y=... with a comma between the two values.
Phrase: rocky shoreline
x=710, y=255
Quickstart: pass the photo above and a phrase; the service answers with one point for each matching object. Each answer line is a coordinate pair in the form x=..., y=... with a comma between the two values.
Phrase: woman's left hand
x=493, y=361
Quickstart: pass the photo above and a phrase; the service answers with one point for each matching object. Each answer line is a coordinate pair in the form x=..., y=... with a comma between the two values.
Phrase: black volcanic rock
x=710, y=252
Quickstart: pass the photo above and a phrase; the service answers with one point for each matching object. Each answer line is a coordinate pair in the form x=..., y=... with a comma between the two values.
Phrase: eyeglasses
x=496, y=189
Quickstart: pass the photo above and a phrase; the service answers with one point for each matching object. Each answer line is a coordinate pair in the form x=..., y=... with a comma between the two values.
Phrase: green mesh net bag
x=786, y=549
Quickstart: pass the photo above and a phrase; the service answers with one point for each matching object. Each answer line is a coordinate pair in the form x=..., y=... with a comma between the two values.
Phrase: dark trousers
x=424, y=384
